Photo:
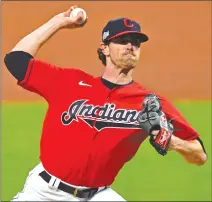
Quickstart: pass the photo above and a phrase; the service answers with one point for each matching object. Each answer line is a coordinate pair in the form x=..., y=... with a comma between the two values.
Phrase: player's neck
x=117, y=76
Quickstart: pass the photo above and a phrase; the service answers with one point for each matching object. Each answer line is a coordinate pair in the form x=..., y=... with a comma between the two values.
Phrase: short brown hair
x=101, y=56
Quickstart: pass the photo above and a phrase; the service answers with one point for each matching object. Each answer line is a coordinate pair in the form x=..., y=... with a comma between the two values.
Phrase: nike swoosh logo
x=84, y=84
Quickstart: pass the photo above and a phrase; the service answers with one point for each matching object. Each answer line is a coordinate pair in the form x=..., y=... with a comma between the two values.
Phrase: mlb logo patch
x=105, y=35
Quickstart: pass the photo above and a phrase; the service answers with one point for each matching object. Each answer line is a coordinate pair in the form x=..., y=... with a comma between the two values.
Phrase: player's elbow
x=197, y=159
x=202, y=159
x=199, y=155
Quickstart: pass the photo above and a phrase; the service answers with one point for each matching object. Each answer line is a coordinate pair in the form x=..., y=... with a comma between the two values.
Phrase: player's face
x=124, y=51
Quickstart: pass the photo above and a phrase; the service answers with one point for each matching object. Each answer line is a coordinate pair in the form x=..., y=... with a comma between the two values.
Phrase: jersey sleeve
x=182, y=128
x=46, y=79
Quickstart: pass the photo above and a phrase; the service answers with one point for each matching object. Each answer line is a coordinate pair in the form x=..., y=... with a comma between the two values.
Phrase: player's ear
x=105, y=49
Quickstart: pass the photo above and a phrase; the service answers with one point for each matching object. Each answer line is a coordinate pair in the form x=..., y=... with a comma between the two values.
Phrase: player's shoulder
x=142, y=89
x=76, y=71
x=145, y=91
x=139, y=86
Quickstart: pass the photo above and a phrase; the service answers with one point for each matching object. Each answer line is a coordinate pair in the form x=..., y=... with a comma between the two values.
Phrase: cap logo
x=105, y=35
x=128, y=22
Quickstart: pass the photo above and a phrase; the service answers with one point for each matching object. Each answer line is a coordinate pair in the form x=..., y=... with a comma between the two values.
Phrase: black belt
x=85, y=193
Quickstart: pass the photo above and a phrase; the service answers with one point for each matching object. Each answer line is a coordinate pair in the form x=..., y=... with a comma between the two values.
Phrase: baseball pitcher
x=94, y=125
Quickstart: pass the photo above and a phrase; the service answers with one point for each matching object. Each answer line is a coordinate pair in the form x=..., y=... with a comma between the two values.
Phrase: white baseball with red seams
x=75, y=12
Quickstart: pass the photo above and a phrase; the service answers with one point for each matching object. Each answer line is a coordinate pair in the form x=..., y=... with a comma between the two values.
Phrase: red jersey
x=89, y=131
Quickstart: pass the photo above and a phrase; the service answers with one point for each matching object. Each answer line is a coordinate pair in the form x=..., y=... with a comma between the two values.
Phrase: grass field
x=148, y=177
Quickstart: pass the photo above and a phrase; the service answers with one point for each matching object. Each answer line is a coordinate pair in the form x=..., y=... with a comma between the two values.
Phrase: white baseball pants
x=36, y=189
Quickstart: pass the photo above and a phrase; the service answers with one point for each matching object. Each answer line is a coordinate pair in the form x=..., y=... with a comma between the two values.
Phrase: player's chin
x=129, y=64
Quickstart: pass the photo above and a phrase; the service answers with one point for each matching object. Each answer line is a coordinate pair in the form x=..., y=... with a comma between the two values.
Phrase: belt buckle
x=75, y=192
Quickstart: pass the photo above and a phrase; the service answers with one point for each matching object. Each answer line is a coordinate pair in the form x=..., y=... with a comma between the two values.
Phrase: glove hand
x=152, y=118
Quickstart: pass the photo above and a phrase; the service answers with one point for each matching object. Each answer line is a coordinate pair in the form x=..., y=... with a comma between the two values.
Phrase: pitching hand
x=64, y=21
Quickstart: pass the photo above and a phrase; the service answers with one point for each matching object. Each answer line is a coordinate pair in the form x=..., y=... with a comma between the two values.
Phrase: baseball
x=75, y=12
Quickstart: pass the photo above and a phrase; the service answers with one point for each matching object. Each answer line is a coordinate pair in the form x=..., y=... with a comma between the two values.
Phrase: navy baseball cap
x=121, y=26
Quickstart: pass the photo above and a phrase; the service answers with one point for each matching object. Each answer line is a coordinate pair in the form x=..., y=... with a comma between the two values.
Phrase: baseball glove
x=152, y=118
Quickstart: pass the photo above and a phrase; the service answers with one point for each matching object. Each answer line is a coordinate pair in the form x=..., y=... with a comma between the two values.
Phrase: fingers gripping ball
x=76, y=11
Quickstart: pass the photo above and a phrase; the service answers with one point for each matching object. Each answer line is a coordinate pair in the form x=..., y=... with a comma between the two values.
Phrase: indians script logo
x=108, y=116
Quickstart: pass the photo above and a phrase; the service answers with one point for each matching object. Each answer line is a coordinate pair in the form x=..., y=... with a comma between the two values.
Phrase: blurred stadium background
x=176, y=62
